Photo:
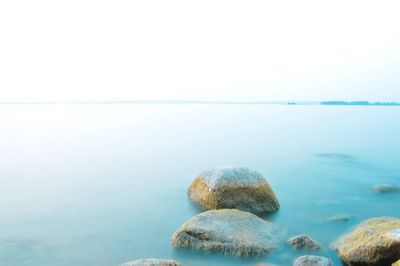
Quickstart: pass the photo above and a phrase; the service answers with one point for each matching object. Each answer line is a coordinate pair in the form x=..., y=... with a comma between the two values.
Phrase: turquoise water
x=105, y=184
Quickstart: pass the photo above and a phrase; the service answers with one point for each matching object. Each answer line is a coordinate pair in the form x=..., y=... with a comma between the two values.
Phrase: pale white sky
x=206, y=50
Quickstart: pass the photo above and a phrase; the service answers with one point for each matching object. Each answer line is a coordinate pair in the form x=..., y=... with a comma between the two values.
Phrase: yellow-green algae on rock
x=397, y=263
x=375, y=242
x=152, y=262
x=233, y=187
x=228, y=231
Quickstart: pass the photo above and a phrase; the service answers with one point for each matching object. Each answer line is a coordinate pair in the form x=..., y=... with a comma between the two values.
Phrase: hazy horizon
x=194, y=101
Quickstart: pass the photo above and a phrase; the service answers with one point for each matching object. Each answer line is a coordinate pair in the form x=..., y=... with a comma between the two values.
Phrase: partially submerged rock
x=304, y=242
x=312, y=261
x=385, y=188
x=342, y=218
x=152, y=262
x=374, y=242
x=228, y=231
x=232, y=187
x=326, y=202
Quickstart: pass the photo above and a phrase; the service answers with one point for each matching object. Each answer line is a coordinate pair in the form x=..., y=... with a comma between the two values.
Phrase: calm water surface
x=105, y=184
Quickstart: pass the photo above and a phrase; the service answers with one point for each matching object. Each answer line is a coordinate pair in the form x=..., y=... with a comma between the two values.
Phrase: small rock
x=339, y=219
x=312, y=261
x=385, y=188
x=228, y=231
x=326, y=202
x=152, y=262
x=304, y=242
x=233, y=188
x=374, y=242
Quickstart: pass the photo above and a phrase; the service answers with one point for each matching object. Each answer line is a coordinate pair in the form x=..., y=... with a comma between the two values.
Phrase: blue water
x=105, y=184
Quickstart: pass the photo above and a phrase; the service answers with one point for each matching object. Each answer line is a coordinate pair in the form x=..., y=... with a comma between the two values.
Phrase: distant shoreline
x=360, y=103
x=335, y=103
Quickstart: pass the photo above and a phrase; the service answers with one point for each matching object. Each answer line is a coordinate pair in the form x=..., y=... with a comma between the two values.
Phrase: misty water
x=106, y=184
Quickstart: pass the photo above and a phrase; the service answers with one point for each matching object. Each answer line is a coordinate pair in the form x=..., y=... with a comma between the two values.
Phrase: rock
x=325, y=202
x=304, y=242
x=374, y=242
x=152, y=262
x=312, y=261
x=385, y=188
x=228, y=231
x=232, y=187
x=338, y=219
x=397, y=263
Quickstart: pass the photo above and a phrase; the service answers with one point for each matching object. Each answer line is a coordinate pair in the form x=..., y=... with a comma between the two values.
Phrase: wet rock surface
x=228, y=231
x=374, y=242
x=304, y=242
x=233, y=187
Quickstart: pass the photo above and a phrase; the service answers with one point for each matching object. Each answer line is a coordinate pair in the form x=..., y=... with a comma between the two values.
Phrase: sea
x=104, y=184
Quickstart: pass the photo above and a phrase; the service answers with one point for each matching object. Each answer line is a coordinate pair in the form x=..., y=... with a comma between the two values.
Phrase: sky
x=199, y=50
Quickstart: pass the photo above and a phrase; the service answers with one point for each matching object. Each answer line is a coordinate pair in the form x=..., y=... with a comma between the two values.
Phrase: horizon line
x=261, y=102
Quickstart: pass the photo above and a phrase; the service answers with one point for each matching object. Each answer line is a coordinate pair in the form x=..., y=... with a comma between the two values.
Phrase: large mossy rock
x=374, y=242
x=152, y=262
x=228, y=231
x=312, y=261
x=232, y=187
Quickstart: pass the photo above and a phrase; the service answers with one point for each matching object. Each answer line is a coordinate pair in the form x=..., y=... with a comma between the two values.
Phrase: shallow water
x=105, y=184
